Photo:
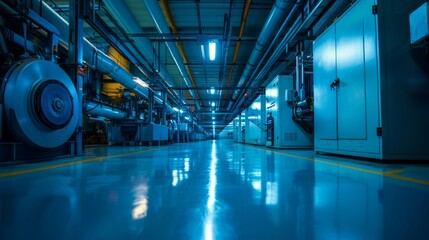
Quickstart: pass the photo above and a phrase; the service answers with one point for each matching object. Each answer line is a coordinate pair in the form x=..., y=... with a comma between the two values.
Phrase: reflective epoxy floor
x=213, y=190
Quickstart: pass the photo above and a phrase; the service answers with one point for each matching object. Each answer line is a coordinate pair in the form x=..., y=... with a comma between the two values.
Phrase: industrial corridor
x=213, y=190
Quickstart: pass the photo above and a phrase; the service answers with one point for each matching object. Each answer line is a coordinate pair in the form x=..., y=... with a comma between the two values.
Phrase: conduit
x=277, y=14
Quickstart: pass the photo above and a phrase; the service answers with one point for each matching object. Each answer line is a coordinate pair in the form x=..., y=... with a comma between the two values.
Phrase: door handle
x=335, y=83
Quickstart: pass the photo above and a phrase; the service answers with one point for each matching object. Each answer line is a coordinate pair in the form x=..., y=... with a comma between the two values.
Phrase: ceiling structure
x=255, y=40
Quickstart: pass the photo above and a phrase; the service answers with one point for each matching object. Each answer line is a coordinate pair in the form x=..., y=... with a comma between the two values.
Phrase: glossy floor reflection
x=213, y=190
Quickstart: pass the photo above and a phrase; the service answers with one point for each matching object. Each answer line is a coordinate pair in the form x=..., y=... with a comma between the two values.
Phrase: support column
x=150, y=110
x=178, y=128
x=76, y=61
x=164, y=109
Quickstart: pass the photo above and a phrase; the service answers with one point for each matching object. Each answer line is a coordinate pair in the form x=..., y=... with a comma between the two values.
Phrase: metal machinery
x=39, y=103
x=255, y=122
x=43, y=115
x=371, y=86
x=196, y=133
x=40, y=107
x=227, y=132
x=242, y=127
x=286, y=133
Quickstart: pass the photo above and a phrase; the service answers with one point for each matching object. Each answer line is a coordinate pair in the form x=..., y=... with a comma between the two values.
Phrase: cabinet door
x=351, y=73
x=325, y=97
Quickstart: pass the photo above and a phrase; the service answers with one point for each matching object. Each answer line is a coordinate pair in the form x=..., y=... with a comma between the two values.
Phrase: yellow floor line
x=9, y=174
x=390, y=174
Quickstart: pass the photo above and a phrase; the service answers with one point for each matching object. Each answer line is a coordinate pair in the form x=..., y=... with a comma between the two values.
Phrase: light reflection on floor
x=215, y=190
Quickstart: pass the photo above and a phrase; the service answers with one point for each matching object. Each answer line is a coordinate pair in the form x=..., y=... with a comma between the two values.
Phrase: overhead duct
x=299, y=26
x=95, y=58
x=163, y=28
x=125, y=18
x=277, y=14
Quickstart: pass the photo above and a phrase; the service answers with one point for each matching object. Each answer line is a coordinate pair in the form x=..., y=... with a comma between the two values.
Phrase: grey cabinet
x=353, y=87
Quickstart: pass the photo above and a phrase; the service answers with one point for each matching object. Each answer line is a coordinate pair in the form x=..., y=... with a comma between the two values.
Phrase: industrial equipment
x=255, y=122
x=270, y=130
x=152, y=133
x=40, y=103
x=371, y=86
x=237, y=133
x=286, y=132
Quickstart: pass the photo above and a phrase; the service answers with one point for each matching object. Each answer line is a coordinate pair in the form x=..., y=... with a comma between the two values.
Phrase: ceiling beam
x=185, y=37
x=210, y=113
x=215, y=88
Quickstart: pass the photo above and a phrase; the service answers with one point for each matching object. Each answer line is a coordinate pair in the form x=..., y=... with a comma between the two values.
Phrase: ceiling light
x=214, y=122
x=212, y=90
x=175, y=109
x=212, y=50
x=213, y=104
x=203, y=52
x=212, y=111
x=213, y=118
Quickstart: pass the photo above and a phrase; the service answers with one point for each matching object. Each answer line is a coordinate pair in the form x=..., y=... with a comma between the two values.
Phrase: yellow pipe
x=180, y=45
x=237, y=47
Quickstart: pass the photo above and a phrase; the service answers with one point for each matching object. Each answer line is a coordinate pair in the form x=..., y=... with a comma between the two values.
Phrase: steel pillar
x=76, y=60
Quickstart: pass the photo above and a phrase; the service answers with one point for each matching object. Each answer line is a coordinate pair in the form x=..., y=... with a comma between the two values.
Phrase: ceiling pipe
x=142, y=63
x=179, y=44
x=123, y=15
x=277, y=14
x=228, y=33
x=96, y=108
x=200, y=31
x=267, y=52
x=95, y=58
x=162, y=26
x=237, y=46
x=297, y=27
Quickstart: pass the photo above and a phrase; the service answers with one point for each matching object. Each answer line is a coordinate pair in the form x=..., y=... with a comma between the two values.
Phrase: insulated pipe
x=95, y=58
x=95, y=108
x=278, y=12
x=120, y=11
x=162, y=26
x=262, y=72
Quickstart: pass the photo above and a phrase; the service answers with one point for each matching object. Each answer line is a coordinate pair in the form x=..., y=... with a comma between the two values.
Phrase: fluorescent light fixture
x=212, y=91
x=203, y=52
x=175, y=109
x=214, y=122
x=212, y=50
x=212, y=111
x=181, y=111
x=140, y=82
x=187, y=118
x=213, y=104
x=213, y=118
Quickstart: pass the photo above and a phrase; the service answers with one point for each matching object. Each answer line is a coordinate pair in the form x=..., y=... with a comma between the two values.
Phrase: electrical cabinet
x=152, y=132
x=371, y=87
x=235, y=129
x=255, y=122
x=285, y=132
x=242, y=127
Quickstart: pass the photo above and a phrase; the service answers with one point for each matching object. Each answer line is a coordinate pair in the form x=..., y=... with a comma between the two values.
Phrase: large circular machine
x=40, y=102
